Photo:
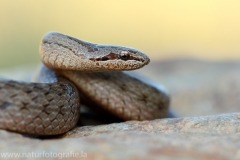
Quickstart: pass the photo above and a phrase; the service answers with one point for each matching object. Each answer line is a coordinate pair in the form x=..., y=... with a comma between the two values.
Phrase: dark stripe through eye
x=123, y=55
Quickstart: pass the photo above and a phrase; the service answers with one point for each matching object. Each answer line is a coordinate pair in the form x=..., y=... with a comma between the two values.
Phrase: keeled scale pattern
x=36, y=108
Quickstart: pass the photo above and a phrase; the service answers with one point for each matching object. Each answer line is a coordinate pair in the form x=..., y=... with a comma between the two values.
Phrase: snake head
x=119, y=58
x=59, y=51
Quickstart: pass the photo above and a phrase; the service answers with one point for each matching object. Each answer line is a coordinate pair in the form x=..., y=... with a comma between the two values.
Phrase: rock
x=206, y=137
x=214, y=125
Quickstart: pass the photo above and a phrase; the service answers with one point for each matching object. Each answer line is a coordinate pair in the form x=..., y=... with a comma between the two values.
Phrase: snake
x=73, y=68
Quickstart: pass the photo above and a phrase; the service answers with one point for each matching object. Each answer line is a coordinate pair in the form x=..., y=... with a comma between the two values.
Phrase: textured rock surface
x=214, y=125
x=210, y=137
x=196, y=87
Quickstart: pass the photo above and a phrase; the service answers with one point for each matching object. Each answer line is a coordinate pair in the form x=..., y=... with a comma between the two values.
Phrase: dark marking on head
x=110, y=56
x=123, y=55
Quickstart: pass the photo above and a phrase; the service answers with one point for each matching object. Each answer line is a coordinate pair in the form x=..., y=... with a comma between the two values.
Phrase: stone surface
x=214, y=125
x=209, y=137
x=197, y=88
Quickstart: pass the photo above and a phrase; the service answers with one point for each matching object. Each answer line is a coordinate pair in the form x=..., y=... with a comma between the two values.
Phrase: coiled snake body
x=52, y=106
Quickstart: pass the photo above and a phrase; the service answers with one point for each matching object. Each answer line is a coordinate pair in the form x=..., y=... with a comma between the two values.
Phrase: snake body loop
x=52, y=106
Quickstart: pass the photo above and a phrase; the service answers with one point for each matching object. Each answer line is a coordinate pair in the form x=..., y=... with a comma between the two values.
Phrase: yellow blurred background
x=161, y=28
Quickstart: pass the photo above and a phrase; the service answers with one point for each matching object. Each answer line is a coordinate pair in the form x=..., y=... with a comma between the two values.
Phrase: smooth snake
x=52, y=105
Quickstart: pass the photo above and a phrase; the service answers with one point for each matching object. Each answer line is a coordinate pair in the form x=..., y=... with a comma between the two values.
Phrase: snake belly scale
x=72, y=66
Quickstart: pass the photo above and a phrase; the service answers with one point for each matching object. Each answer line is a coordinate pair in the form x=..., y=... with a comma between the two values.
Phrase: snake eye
x=124, y=55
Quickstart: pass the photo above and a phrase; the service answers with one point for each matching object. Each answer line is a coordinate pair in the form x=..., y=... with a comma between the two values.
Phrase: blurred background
x=206, y=29
x=194, y=46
